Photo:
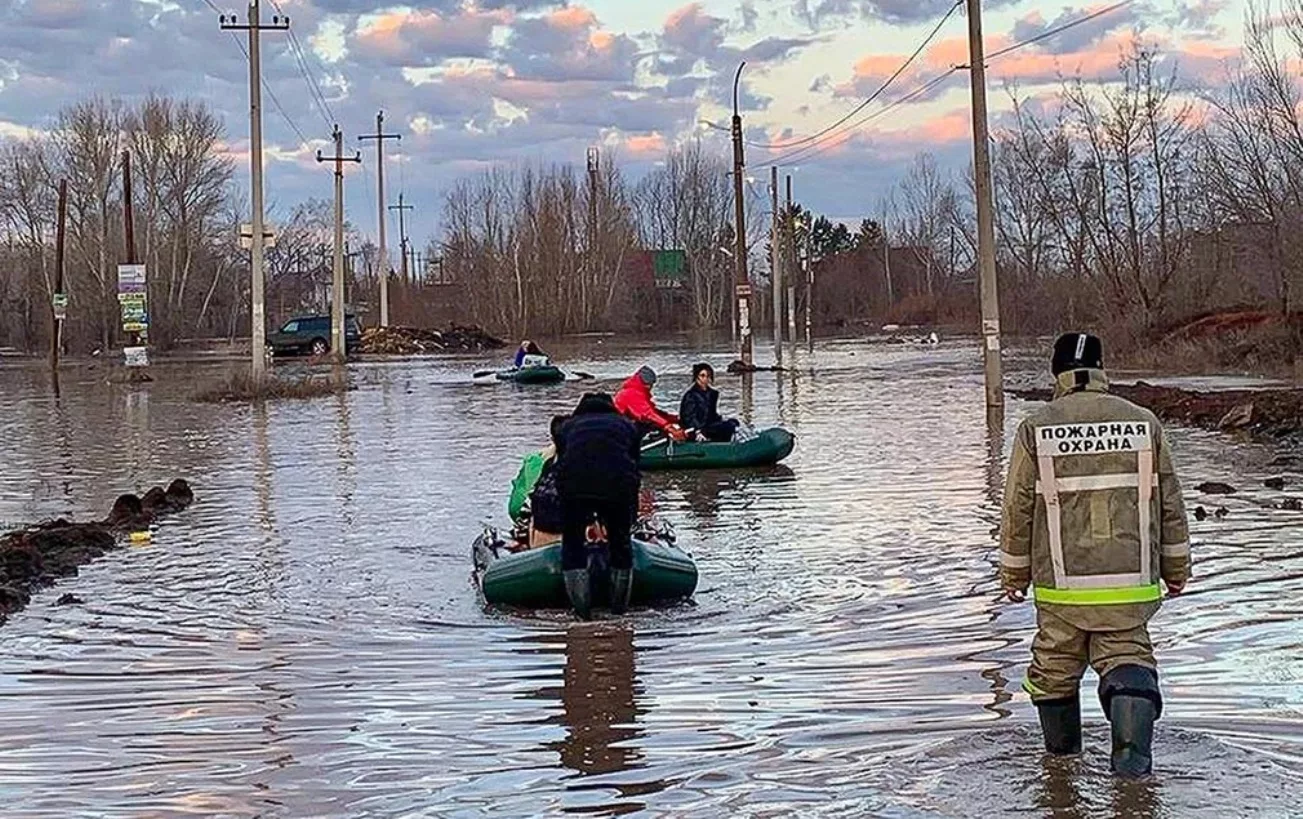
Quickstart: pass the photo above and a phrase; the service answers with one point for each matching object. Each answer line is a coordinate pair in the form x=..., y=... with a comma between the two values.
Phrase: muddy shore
x=36, y=557
x=1270, y=413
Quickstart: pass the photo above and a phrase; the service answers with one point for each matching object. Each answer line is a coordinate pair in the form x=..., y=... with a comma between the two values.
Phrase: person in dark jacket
x=699, y=408
x=597, y=475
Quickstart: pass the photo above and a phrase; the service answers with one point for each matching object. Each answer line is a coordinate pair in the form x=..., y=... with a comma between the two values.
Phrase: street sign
x=60, y=304
x=131, y=278
x=136, y=356
x=742, y=290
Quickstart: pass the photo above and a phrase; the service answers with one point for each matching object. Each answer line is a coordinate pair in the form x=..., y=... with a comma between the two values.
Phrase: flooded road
x=305, y=640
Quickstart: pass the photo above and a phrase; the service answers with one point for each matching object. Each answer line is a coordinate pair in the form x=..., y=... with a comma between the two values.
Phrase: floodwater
x=305, y=640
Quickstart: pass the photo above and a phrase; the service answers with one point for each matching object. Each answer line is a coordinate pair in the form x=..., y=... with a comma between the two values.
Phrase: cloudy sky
x=473, y=83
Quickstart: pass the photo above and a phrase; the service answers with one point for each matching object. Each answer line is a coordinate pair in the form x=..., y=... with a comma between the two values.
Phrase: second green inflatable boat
x=546, y=374
x=768, y=447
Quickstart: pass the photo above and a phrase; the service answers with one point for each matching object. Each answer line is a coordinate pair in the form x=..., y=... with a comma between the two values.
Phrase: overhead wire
x=869, y=100
x=314, y=88
x=824, y=145
x=275, y=101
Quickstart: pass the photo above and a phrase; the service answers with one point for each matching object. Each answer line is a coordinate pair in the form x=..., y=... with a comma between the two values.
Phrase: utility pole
x=402, y=232
x=989, y=287
x=775, y=268
x=789, y=257
x=60, y=301
x=338, y=350
x=380, y=136
x=593, y=165
x=886, y=264
x=809, y=292
x=258, y=323
x=743, y=284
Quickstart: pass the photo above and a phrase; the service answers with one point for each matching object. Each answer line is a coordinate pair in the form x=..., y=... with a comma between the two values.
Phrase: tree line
x=1134, y=204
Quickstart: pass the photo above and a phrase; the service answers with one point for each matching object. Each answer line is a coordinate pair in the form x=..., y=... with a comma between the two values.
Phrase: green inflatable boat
x=546, y=374
x=532, y=579
x=768, y=447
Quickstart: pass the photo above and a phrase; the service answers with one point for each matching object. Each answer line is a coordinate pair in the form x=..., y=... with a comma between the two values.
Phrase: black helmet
x=1077, y=351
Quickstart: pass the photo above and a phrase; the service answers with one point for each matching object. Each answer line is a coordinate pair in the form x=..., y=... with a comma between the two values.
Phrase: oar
x=666, y=439
x=582, y=376
x=484, y=377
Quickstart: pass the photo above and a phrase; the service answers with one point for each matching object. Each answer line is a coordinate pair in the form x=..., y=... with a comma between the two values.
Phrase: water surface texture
x=305, y=640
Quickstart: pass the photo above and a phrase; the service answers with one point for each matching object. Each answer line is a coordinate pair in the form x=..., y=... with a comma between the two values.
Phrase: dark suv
x=310, y=335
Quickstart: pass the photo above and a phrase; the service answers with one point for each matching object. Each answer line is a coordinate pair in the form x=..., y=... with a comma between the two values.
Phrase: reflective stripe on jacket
x=1093, y=515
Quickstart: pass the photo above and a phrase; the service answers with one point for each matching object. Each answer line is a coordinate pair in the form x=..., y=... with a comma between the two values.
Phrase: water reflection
x=703, y=490
x=599, y=699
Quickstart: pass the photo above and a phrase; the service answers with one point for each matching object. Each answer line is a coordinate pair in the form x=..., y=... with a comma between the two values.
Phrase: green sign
x=669, y=267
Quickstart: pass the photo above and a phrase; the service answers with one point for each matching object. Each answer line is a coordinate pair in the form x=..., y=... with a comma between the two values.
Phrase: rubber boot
x=621, y=589
x=1061, y=725
x=580, y=593
x=1133, y=735
x=1132, y=702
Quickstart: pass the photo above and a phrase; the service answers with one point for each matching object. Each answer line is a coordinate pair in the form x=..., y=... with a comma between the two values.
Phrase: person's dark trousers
x=616, y=513
x=720, y=431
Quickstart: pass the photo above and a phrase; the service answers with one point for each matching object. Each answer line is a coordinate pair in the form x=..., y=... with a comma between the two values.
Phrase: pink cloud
x=424, y=37
x=646, y=146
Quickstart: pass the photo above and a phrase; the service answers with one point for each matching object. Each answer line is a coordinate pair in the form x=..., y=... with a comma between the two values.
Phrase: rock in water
x=1215, y=488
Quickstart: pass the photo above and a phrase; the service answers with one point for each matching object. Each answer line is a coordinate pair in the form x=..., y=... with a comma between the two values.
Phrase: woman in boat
x=527, y=348
x=634, y=401
x=534, y=492
x=699, y=408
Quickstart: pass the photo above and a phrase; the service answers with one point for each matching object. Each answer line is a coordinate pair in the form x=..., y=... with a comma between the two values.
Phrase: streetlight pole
x=988, y=285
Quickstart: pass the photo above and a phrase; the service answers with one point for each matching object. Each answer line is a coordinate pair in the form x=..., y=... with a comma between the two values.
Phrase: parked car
x=310, y=335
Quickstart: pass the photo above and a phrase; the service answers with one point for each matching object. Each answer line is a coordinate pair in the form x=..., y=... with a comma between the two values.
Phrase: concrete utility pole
x=743, y=284
x=402, y=232
x=789, y=259
x=258, y=325
x=989, y=287
x=775, y=266
x=338, y=348
x=380, y=136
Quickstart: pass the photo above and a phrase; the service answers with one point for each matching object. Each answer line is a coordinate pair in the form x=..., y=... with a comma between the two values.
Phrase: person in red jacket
x=634, y=401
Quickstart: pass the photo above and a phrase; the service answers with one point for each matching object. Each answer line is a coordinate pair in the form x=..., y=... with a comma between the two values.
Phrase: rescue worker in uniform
x=1092, y=520
x=597, y=476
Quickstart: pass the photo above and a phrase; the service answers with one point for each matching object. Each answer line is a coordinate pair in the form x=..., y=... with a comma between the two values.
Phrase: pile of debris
x=33, y=558
x=415, y=341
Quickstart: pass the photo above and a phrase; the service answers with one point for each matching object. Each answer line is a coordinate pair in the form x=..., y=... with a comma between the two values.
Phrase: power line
x=265, y=85
x=1045, y=35
x=300, y=58
x=825, y=144
x=885, y=85
x=811, y=151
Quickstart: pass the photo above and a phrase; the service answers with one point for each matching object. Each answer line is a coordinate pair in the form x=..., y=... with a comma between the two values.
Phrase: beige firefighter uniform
x=1093, y=517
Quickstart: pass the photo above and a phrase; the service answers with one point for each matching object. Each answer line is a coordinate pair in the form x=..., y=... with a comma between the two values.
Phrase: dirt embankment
x=1270, y=413
x=33, y=558
x=1257, y=341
